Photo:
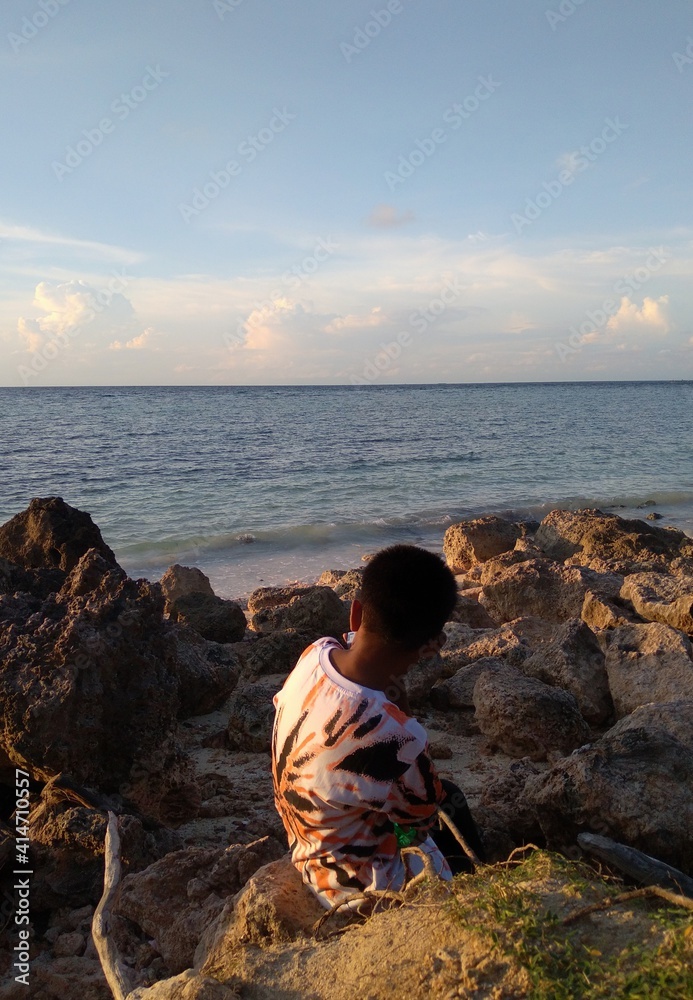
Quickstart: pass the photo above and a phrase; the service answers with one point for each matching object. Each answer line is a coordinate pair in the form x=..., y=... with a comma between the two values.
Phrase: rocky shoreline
x=562, y=702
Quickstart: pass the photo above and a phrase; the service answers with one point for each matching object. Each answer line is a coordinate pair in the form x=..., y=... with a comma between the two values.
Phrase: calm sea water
x=268, y=484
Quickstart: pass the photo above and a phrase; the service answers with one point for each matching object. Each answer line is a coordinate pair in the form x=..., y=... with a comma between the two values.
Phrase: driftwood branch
x=471, y=854
x=638, y=866
x=117, y=975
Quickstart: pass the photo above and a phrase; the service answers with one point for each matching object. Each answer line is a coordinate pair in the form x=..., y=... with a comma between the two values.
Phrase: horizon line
x=348, y=385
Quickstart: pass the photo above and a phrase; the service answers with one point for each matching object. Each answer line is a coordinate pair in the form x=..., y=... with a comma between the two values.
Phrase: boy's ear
x=355, y=615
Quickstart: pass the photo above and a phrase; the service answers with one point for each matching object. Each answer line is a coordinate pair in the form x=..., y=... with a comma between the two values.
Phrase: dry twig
x=471, y=854
x=624, y=897
x=373, y=895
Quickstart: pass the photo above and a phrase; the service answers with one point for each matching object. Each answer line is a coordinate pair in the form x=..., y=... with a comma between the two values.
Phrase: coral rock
x=251, y=714
x=646, y=663
x=525, y=717
x=212, y=617
x=592, y=534
x=661, y=598
x=458, y=691
x=574, y=660
x=179, y=581
x=175, y=899
x=274, y=906
x=471, y=542
x=634, y=786
x=535, y=587
x=319, y=612
x=50, y=534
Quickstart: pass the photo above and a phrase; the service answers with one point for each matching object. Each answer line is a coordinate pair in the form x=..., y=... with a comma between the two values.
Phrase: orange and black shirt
x=347, y=765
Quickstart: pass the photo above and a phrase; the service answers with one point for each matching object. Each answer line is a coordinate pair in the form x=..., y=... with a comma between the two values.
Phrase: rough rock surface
x=471, y=542
x=458, y=691
x=186, y=986
x=275, y=653
x=458, y=636
x=661, y=598
x=465, y=645
x=274, y=906
x=319, y=612
x=525, y=717
x=50, y=534
x=591, y=534
x=207, y=672
x=179, y=581
x=214, y=618
x=88, y=686
x=251, y=714
x=574, y=660
x=673, y=717
x=175, y=899
x=634, y=786
x=468, y=611
x=346, y=583
x=67, y=851
x=646, y=663
x=274, y=597
x=502, y=807
x=419, y=679
x=599, y=612
x=38, y=582
x=535, y=587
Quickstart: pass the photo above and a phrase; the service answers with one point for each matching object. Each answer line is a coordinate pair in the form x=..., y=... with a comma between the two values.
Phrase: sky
x=225, y=192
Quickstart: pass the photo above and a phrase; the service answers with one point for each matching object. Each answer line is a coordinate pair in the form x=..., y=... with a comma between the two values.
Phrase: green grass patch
x=641, y=949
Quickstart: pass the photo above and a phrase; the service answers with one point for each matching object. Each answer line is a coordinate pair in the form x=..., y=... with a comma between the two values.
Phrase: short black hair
x=407, y=594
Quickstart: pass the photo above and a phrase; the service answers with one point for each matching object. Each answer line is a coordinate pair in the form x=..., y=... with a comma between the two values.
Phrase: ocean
x=269, y=484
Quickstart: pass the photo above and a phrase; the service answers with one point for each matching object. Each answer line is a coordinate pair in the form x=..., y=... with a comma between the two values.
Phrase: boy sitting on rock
x=353, y=776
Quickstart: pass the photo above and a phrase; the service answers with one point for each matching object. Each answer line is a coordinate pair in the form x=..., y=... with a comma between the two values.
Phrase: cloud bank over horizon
x=531, y=234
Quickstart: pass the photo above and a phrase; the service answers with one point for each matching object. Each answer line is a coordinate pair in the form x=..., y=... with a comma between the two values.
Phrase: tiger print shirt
x=347, y=764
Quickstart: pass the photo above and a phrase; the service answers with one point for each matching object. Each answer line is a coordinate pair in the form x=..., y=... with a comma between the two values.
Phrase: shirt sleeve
x=415, y=795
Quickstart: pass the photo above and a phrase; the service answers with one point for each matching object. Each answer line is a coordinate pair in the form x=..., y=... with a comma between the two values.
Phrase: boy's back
x=348, y=764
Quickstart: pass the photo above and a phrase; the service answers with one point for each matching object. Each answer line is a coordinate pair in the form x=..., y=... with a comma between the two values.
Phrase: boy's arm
x=414, y=797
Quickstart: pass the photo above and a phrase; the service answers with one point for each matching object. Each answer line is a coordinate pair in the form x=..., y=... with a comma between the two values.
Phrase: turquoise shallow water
x=266, y=484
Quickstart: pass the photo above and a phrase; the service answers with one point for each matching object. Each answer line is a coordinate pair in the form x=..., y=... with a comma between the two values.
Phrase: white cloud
x=28, y=235
x=252, y=328
x=135, y=344
x=652, y=314
x=375, y=317
x=69, y=309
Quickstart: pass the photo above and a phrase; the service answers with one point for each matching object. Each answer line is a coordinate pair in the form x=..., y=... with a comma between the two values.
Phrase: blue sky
x=250, y=191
